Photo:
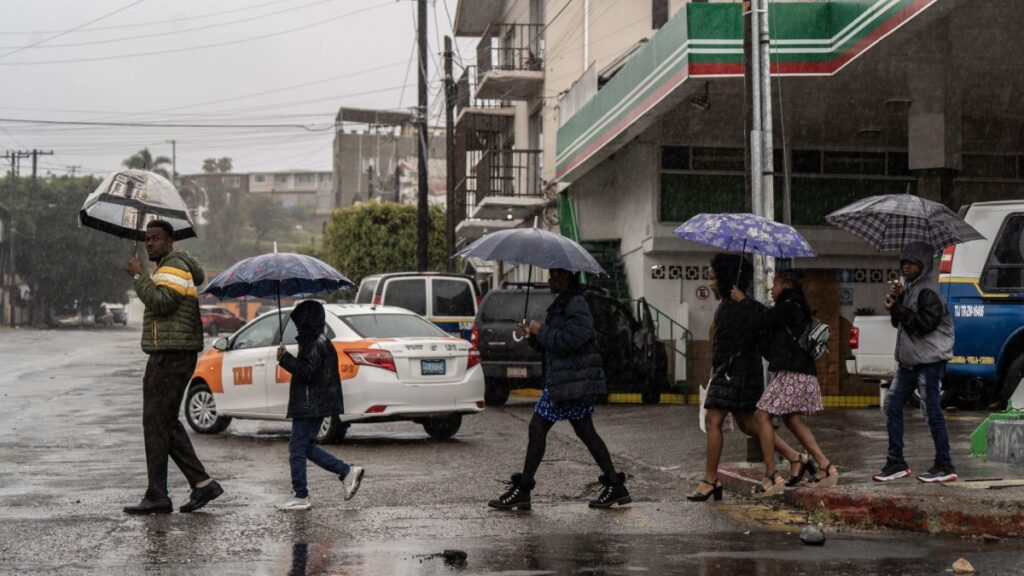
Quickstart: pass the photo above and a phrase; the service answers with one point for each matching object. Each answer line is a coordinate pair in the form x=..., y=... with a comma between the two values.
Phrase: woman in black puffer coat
x=573, y=374
x=738, y=376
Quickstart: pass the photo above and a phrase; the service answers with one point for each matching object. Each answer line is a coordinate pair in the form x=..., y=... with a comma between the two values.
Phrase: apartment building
x=308, y=189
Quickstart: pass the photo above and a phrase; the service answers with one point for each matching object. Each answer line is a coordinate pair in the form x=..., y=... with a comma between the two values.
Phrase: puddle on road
x=763, y=554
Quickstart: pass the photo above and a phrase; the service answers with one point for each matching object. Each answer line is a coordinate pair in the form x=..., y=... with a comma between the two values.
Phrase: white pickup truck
x=873, y=343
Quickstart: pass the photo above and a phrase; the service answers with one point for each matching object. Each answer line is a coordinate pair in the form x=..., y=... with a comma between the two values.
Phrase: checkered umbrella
x=892, y=221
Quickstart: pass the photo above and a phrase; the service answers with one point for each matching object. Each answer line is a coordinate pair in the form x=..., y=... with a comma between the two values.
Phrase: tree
x=215, y=165
x=375, y=238
x=266, y=217
x=143, y=160
x=62, y=263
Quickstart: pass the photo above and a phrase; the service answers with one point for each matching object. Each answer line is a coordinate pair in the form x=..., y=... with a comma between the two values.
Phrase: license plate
x=432, y=367
x=517, y=372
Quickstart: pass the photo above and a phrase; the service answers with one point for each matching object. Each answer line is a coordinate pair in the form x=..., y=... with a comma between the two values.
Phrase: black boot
x=516, y=497
x=614, y=492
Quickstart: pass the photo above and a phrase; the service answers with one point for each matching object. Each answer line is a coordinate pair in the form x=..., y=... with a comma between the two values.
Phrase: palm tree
x=143, y=160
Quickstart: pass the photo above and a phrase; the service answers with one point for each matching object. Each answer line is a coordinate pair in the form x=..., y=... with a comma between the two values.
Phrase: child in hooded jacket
x=315, y=394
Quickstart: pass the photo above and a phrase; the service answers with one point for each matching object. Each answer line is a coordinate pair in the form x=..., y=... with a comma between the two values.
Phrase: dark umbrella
x=276, y=274
x=892, y=221
x=535, y=247
x=127, y=200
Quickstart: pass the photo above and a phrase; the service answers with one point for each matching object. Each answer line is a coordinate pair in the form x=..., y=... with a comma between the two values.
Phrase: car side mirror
x=220, y=344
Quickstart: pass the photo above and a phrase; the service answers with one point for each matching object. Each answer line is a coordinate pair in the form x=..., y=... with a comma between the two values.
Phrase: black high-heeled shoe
x=716, y=492
x=807, y=466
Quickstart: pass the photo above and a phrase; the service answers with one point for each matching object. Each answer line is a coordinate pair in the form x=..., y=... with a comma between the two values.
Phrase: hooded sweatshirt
x=924, y=329
x=171, y=322
x=316, y=384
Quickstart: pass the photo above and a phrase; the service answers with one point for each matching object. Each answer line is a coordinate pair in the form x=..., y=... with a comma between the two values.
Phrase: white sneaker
x=351, y=481
x=294, y=504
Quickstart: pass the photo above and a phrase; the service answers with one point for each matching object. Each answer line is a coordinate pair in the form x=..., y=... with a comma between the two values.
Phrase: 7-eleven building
x=870, y=97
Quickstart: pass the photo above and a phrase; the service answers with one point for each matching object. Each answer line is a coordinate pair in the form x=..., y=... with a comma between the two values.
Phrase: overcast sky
x=202, y=62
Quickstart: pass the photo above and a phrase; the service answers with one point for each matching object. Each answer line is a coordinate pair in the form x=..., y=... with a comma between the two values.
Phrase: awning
x=706, y=41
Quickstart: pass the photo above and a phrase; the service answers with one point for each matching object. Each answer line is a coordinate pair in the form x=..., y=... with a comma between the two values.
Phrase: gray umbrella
x=535, y=247
x=127, y=200
x=892, y=221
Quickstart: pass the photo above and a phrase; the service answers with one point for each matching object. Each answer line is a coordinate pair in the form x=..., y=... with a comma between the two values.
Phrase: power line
x=182, y=31
x=150, y=22
x=122, y=9
x=159, y=125
x=203, y=46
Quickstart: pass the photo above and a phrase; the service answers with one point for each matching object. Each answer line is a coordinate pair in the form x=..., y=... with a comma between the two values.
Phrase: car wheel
x=214, y=329
x=443, y=427
x=201, y=410
x=332, y=430
x=496, y=392
x=1013, y=379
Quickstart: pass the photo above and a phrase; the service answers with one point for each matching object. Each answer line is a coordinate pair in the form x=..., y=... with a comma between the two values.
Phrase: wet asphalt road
x=71, y=456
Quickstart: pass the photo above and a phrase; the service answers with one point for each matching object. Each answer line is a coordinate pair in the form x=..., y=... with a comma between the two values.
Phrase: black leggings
x=586, y=432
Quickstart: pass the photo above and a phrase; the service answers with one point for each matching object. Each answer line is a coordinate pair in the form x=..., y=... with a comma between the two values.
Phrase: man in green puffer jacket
x=172, y=335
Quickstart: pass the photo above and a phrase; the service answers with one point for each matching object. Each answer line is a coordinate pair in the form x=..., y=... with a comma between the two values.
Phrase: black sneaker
x=516, y=497
x=893, y=471
x=937, y=473
x=201, y=497
x=614, y=492
x=148, y=506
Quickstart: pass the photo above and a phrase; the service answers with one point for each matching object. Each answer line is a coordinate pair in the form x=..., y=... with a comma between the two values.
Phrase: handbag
x=722, y=372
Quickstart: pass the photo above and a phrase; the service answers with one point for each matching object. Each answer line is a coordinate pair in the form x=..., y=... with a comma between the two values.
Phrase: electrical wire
x=157, y=125
x=202, y=46
x=182, y=31
x=149, y=23
x=58, y=35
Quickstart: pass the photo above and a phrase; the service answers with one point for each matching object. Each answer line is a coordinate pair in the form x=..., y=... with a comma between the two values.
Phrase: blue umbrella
x=535, y=247
x=276, y=274
x=746, y=233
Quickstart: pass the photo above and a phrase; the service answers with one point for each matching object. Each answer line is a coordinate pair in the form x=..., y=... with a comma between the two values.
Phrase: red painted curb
x=934, y=510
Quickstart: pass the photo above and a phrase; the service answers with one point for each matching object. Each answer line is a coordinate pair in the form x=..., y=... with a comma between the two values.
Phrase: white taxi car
x=394, y=365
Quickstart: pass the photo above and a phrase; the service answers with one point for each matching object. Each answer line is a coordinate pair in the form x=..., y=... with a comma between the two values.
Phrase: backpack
x=814, y=339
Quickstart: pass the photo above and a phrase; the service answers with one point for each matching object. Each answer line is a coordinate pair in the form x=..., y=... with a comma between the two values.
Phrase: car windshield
x=509, y=306
x=392, y=326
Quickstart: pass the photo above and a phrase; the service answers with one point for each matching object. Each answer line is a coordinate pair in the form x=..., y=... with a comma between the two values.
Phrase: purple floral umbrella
x=746, y=233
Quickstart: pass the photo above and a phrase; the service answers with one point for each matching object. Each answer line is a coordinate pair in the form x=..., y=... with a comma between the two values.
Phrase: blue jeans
x=907, y=380
x=302, y=446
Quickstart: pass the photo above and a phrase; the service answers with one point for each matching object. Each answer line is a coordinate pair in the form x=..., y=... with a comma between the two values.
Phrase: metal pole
x=586, y=34
x=174, y=161
x=756, y=142
x=449, y=133
x=422, y=212
x=768, y=174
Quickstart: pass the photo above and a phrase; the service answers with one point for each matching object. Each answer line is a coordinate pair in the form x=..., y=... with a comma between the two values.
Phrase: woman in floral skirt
x=793, y=389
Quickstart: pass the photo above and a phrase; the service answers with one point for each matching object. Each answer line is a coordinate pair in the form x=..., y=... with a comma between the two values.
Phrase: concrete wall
x=360, y=157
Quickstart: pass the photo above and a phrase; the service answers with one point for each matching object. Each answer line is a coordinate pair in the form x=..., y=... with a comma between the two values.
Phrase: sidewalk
x=988, y=499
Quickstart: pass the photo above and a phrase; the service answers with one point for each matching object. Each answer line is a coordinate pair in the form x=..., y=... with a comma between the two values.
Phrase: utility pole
x=174, y=161
x=422, y=212
x=14, y=157
x=761, y=144
x=768, y=136
x=73, y=169
x=449, y=133
x=35, y=162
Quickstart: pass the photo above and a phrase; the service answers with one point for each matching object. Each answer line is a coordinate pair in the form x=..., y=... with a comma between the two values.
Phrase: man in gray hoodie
x=924, y=343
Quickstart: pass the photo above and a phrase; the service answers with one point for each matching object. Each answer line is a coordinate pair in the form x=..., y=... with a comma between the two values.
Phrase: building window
x=232, y=181
x=260, y=178
x=711, y=180
x=659, y=13
x=306, y=179
x=281, y=179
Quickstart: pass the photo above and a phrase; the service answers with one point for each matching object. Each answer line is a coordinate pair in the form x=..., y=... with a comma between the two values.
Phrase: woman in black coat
x=738, y=377
x=314, y=394
x=573, y=373
x=793, y=390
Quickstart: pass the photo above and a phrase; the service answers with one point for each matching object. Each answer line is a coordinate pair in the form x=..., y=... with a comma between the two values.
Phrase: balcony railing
x=508, y=173
x=465, y=90
x=510, y=47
